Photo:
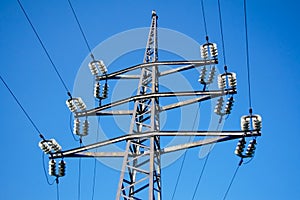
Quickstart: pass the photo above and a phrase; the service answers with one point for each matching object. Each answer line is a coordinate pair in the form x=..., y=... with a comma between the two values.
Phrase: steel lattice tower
x=141, y=169
x=144, y=167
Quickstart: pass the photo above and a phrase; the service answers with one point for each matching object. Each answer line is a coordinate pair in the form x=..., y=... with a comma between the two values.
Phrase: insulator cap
x=54, y=145
x=227, y=79
x=81, y=105
x=96, y=66
x=240, y=147
x=97, y=90
x=229, y=105
x=52, y=167
x=71, y=105
x=209, y=50
x=232, y=80
x=221, y=82
x=204, y=51
x=251, y=148
x=76, y=128
x=245, y=123
x=257, y=122
x=61, y=168
x=105, y=91
x=44, y=146
x=93, y=68
x=202, y=76
x=85, y=128
x=213, y=50
x=211, y=75
x=219, y=106
x=76, y=104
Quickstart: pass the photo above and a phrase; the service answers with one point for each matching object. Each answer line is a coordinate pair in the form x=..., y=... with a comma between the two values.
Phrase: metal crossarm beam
x=140, y=136
x=191, y=64
x=219, y=137
x=143, y=97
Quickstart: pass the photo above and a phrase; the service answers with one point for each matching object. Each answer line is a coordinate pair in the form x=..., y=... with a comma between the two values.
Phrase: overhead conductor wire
x=81, y=30
x=32, y=122
x=45, y=50
x=93, y=58
x=225, y=68
x=184, y=155
x=249, y=92
x=206, y=159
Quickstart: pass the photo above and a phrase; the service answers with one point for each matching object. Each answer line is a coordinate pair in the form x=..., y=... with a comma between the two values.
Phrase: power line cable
x=81, y=30
x=232, y=179
x=204, y=19
x=221, y=30
x=184, y=155
x=57, y=189
x=79, y=172
x=247, y=55
x=95, y=162
x=45, y=50
x=201, y=174
x=204, y=165
x=22, y=108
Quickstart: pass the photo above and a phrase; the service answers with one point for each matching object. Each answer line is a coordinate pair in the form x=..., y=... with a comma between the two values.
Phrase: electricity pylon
x=141, y=170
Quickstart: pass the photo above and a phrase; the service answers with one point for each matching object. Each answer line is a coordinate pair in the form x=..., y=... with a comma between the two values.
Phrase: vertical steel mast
x=141, y=172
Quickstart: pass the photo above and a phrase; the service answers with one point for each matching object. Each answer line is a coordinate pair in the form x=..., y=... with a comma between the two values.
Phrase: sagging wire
x=184, y=155
x=247, y=55
x=204, y=165
x=22, y=108
x=45, y=50
x=57, y=189
x=232, y=179
x=81, y=30
x=222, y=34
x=79, y=173
x=95, y=162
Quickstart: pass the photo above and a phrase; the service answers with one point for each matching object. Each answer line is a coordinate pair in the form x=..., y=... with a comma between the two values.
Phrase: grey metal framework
x=141, y=169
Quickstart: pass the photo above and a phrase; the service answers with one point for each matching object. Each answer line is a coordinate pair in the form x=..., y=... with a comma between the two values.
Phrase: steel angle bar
x=182, y=68
x=206, y=142
x=150, y=64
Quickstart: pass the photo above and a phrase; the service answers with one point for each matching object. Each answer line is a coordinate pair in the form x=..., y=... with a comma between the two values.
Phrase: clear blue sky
x=274, y=47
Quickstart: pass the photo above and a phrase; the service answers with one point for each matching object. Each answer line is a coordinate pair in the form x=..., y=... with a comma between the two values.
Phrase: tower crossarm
x=142, y=97
x=219, y=136
x=189, y=65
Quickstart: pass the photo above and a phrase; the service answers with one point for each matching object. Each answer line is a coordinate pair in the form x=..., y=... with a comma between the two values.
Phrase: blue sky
x=273, y=46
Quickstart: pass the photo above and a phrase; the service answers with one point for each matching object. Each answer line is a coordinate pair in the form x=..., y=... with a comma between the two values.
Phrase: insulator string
x=184, y=155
